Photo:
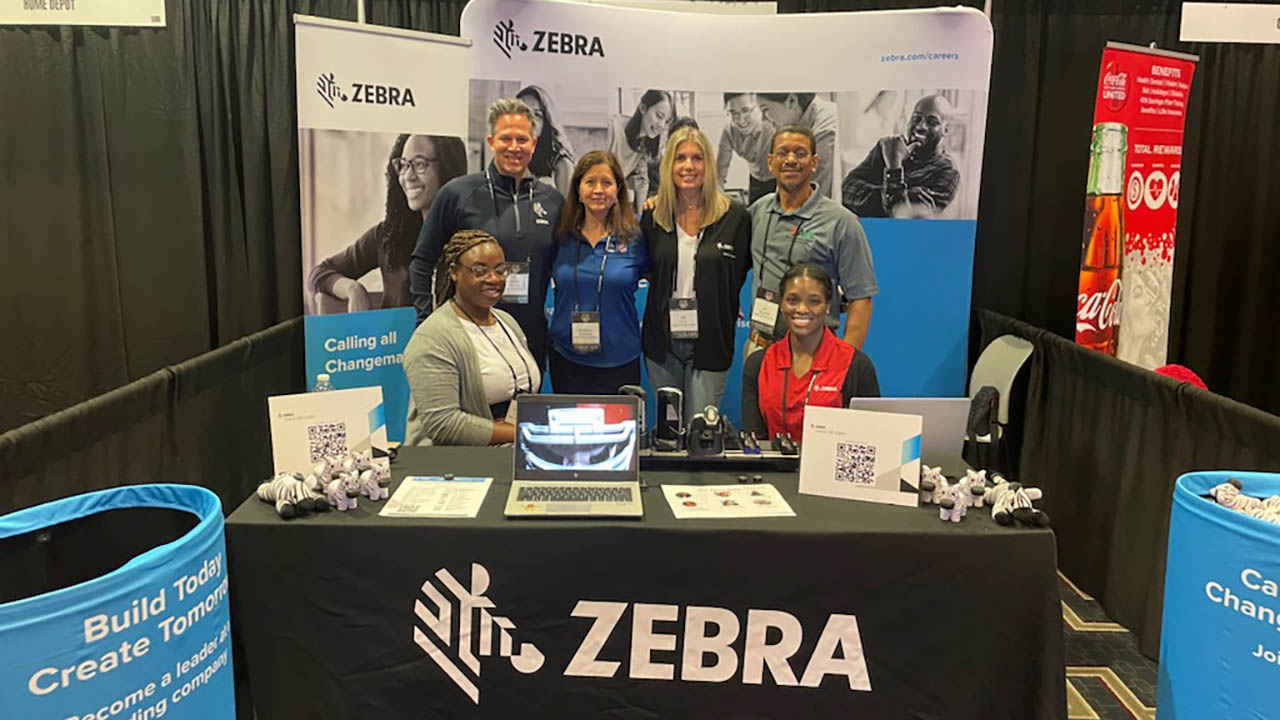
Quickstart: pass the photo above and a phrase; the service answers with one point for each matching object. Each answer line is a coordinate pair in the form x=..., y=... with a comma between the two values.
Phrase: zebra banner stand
x=130, y=629
x=1219, y=642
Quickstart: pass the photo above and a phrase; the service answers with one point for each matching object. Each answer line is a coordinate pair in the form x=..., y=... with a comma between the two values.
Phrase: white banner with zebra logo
x=897, y=102
x=377, y=137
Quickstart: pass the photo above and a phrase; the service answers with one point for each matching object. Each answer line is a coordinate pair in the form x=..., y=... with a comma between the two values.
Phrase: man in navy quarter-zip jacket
x=506, y=201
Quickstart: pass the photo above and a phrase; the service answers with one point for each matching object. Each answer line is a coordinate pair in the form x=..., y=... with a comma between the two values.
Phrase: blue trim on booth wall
x=383, y=335
x=919, y=333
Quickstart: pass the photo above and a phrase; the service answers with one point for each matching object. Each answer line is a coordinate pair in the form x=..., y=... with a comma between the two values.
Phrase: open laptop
x=942, y=432
x=576, y=456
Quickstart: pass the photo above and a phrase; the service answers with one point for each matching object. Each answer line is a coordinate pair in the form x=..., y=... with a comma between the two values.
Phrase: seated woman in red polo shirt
x=810, y=365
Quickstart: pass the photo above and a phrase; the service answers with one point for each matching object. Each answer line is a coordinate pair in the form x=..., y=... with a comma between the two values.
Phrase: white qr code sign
x=306, y=427
x=855, y=463
x=861, y=455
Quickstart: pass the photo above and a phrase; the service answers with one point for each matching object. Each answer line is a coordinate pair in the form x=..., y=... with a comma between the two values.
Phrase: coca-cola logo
x=1099, y=311
x=1115, y=86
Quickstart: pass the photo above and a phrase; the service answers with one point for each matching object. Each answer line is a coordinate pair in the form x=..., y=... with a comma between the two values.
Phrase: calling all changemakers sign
x=1131, y=203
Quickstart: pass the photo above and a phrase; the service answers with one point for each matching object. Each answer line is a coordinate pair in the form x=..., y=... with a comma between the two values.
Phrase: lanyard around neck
x=515, y=382
x=786, y=375
x=791, y=249
x=515, y=210
x=577, y=260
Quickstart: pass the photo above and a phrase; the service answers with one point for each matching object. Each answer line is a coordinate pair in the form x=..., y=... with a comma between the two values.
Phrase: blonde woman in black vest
x=700, y=251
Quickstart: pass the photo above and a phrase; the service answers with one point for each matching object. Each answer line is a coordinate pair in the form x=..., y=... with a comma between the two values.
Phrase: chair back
x=997, y=366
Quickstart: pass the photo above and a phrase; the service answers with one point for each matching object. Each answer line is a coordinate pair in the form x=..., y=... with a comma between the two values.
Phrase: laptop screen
x=577, y=437
x=943, y=426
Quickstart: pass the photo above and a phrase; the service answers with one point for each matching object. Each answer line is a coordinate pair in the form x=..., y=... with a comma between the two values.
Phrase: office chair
x=997, y=368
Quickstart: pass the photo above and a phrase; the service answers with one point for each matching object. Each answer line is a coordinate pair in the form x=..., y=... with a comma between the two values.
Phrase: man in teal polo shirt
x=798, y=224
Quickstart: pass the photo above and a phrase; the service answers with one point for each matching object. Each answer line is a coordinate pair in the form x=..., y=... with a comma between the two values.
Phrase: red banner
x=1131, y=203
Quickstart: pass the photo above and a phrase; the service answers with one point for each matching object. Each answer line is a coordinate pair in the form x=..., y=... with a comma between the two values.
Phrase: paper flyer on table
x=726, y=501
x=432, y=496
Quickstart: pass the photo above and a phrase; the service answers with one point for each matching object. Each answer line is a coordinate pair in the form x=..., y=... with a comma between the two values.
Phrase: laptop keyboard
x=574, y=493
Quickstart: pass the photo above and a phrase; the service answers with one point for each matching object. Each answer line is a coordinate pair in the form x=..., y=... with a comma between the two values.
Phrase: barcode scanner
x=783, y=443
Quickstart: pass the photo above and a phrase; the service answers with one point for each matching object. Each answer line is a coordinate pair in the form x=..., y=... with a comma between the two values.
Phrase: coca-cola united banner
x=1131, y=203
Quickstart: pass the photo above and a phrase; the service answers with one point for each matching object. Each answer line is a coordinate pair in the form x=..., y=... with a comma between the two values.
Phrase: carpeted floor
x=1107, y=678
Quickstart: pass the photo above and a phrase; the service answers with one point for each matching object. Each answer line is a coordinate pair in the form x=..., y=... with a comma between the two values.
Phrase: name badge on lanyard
x=764, y=312
x=684, y=318
x=584, y=326
x=517, y=289
x=584, y=331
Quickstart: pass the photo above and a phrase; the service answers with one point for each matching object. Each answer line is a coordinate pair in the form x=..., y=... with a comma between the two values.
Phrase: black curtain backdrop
x=1085, y=414
x=149, y=210
x=202, y=422
x=150, y=202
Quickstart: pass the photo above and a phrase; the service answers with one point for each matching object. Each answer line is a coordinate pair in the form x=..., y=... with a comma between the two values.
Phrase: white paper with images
x=726, y=501
x=861, y=455
x=432, y=496
x=307, y=427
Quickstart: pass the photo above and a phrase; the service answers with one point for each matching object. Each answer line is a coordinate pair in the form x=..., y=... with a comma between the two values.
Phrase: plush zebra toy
x=932, y=483
x=1229, y=495
x=316, y=489
x=375, y=482
x=375, y=477
x=343, y=491
x=953, y=502
x=975, y=483
x=289, y=493
x=1011, y=502
x=336, y=481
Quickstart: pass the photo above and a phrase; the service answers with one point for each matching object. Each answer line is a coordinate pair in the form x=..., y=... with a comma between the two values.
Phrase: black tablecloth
x=952, y=621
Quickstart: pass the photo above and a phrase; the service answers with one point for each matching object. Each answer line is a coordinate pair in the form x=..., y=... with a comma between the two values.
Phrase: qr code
x=856, y=463
x=327, y=439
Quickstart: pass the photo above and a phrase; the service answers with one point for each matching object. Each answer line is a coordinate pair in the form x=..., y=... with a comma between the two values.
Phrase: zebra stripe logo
x=476, y=621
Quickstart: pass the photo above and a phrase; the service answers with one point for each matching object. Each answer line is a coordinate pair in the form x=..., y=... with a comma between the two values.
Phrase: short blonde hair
x=714, y=202
x=508, y=106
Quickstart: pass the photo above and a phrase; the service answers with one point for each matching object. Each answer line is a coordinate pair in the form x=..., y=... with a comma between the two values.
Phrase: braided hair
x=458, y=245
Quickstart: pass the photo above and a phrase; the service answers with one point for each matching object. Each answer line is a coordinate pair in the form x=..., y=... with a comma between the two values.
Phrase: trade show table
x=848, y=609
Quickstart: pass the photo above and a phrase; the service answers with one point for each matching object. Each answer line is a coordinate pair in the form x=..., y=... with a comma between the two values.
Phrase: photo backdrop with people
x=377, y=137
x=867, y=85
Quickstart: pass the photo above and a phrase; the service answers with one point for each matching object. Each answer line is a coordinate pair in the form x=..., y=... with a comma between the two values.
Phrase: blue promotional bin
x=113, y=606
x=1220, y=636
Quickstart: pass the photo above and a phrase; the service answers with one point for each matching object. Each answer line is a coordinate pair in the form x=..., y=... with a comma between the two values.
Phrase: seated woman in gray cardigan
x=468, y=359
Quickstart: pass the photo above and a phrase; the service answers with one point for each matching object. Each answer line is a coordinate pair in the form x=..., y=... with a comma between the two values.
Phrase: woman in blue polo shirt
x=809, y=366
x=595, y=330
